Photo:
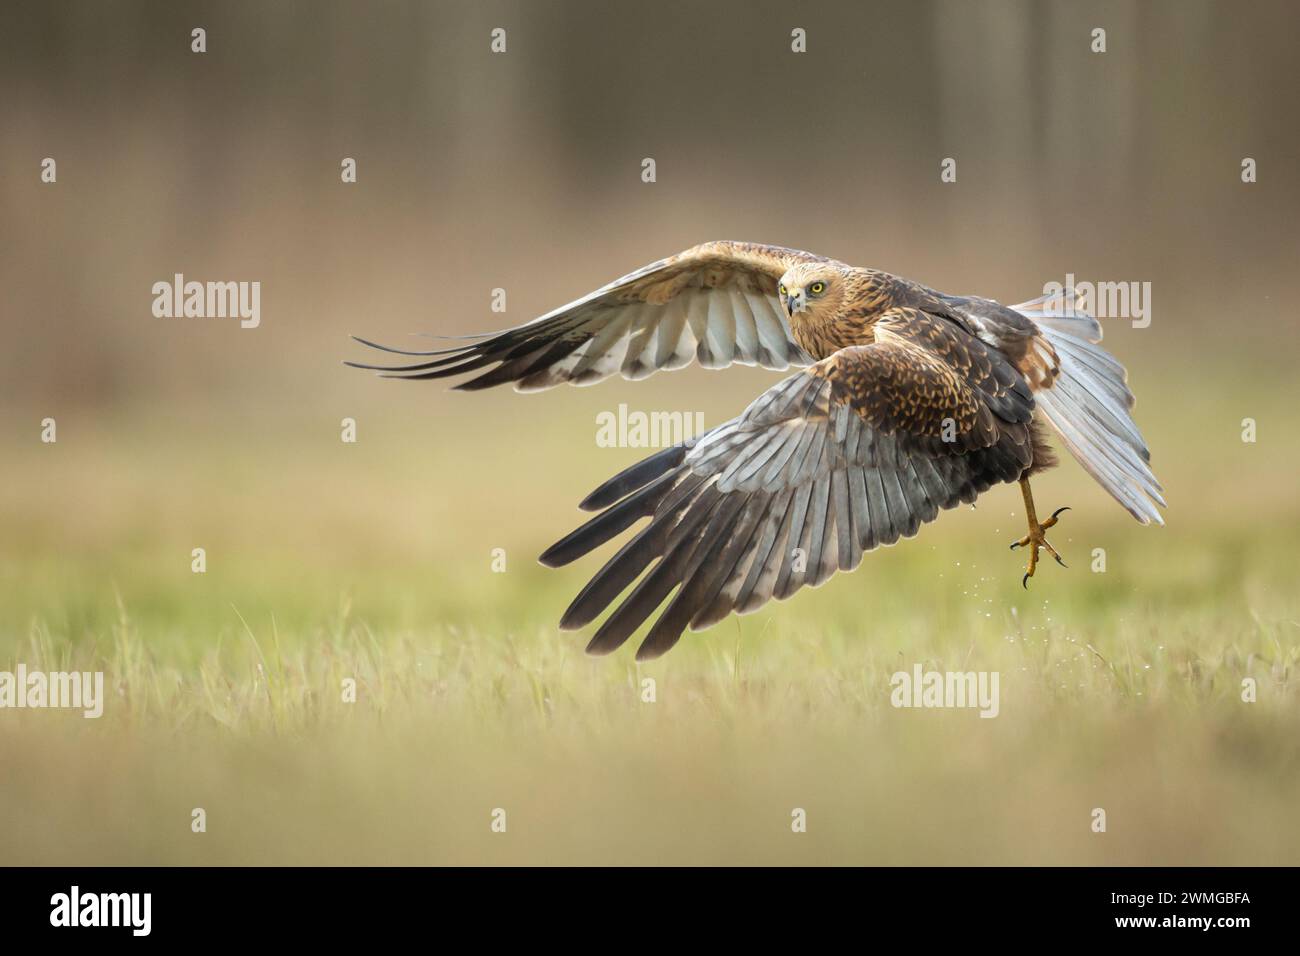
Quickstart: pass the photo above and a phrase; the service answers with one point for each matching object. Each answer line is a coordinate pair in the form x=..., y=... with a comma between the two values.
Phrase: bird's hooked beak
x=795, y=302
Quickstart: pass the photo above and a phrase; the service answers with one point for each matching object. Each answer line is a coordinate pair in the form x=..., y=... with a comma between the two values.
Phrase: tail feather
x=1089, y=404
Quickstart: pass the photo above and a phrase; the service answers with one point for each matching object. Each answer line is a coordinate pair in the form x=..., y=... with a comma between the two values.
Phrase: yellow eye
x=782, y=288
x=817, y=288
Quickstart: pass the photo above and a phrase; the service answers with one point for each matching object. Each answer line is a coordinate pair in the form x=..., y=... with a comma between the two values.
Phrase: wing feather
x=822, y=467
x=716, y=303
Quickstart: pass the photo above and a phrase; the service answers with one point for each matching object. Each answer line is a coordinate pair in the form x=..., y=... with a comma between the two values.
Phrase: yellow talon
x=1037, y=537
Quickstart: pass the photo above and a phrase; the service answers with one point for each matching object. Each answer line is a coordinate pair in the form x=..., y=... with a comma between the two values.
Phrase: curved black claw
x=1024, y=582
x=1059, y=561
x=1014, y=545
x=1059, y=510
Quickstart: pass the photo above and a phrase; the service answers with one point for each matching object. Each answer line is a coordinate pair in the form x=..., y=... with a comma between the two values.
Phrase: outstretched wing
x=855, y=452
x=716, y=302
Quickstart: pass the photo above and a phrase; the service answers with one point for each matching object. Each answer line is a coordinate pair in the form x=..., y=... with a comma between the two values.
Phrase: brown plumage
x=908, y=402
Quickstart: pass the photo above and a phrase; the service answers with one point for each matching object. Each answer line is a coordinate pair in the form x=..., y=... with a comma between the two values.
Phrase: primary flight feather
x=907, y=402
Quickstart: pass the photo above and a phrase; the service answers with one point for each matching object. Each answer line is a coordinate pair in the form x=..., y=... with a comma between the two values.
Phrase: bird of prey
x=906, y=402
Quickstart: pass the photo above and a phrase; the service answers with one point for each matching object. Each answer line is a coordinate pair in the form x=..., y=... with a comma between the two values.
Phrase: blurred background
x=522, y=171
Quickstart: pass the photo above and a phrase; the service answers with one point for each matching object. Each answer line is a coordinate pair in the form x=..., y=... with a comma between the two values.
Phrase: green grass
x=1119, y=690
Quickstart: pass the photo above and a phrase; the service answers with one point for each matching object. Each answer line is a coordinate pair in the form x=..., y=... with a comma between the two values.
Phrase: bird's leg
x=1037, y=537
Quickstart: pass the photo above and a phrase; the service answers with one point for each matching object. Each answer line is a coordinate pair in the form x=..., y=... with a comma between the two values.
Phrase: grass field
x=327, y=561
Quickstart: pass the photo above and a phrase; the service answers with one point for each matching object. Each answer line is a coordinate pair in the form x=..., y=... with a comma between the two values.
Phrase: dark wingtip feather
x=636, y=476
x=378, y=368
x=476, y=384
x=550, y=557
x=598, y=649
x=646, y=652
x=608, y=524
x=389, y=348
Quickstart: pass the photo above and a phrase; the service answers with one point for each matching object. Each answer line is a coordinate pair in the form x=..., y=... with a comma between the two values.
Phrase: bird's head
x=813, y=287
